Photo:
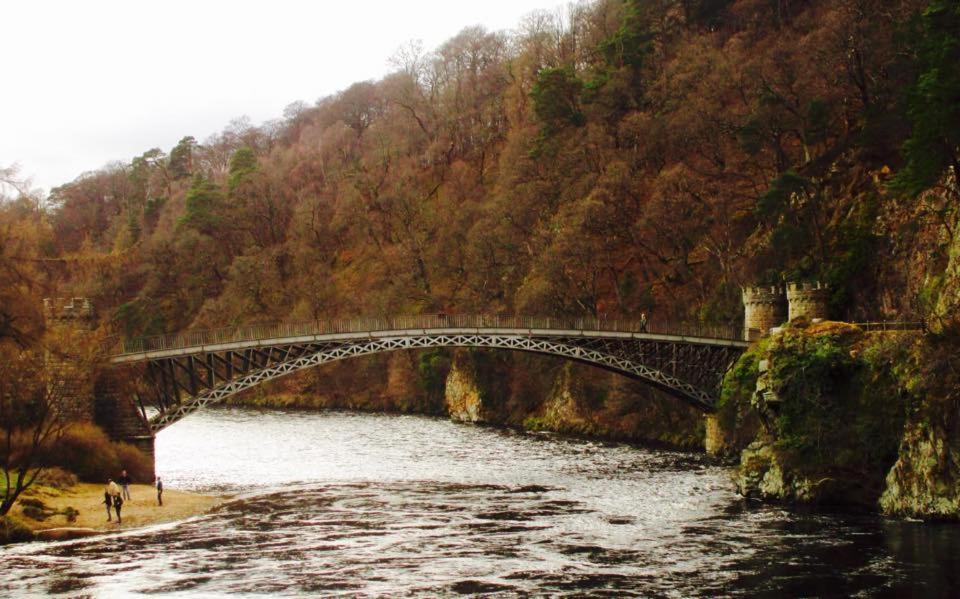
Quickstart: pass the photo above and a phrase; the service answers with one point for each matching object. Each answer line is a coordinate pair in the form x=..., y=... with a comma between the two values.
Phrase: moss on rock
x=925, y=481
x=736, y=422
x=834, y=411
x=463, y=395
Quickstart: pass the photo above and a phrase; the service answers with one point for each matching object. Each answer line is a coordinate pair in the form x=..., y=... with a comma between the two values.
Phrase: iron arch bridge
x=188, y=371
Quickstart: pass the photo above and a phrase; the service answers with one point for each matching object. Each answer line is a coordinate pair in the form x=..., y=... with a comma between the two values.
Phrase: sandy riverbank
x=140, y=510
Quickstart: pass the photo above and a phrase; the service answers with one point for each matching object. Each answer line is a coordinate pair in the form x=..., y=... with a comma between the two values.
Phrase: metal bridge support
x=183, y=381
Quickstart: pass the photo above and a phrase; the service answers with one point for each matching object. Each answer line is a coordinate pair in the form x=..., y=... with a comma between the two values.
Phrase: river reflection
x=368, y=505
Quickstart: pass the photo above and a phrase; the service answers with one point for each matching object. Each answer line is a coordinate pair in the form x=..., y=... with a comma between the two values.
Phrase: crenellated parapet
x=77, y=311
x=810, y=300
x=764, y=307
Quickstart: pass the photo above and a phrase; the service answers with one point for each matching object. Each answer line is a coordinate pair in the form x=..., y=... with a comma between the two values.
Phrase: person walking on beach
x=159, y=491
x=107, y=501
x=112, y=488
x=117, y=504
x=124, y=481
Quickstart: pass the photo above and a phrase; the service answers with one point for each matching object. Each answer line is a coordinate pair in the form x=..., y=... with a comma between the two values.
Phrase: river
x=378, y=505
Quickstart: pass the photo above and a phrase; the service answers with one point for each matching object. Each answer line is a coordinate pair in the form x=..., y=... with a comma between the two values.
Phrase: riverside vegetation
x=628, y=157
x=847, y=417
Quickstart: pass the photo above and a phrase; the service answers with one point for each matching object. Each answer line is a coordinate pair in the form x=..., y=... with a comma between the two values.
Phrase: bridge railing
x=891, y=326
x=400, y=323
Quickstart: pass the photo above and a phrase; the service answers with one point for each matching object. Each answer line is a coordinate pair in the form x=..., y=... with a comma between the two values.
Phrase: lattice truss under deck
x=180, y=385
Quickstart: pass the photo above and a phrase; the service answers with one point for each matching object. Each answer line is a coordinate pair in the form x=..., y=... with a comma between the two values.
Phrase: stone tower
x=64, y=315
x=763, y=309
x=105, y=404
x=75, y=313
x=807, y=299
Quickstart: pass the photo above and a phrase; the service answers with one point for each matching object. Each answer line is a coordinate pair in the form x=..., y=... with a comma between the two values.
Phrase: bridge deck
x=193, y=342
x=291, y=340
x=275, y=341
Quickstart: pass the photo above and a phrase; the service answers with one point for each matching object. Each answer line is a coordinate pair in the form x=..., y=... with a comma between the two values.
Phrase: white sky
x=87, y=82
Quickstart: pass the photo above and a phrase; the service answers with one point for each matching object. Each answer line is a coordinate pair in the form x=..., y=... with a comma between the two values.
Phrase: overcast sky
x=90, y=82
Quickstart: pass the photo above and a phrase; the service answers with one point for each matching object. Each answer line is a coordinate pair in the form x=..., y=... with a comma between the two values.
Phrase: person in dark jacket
x=124, y=481
x=117, y=504
x=107, y=501
x=159, y=491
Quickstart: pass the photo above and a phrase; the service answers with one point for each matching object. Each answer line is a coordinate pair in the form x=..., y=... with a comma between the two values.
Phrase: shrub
x=32, y=503
x=35, y=513
x=86, y=451
x=70, y=513
x=35, y=509
x=138, y=465
x=58, y=478
x=13, y=530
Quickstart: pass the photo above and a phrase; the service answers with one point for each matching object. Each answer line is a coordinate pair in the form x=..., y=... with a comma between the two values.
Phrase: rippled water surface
x=368, y=505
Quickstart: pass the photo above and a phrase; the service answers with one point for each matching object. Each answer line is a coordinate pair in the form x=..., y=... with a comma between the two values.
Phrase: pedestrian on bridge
x=643, y=322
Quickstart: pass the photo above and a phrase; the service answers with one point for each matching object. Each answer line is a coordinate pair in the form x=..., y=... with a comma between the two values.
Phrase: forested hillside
x=623, y=157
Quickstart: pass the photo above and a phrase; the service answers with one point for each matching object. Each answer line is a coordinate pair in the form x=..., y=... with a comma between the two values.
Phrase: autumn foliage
x=623, y=157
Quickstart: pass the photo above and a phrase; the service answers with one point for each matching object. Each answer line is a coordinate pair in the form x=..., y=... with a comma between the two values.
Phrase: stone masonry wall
x=764, y=308
x=63, y=315
x=809, y=300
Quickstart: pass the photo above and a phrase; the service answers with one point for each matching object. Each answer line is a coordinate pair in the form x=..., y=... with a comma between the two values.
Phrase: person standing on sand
x=117, y=504
x=124, y=481
x=159, y=491
x=107, y=501
x=112, y=488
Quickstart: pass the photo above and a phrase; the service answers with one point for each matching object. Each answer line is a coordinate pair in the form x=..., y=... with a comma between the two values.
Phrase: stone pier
x=110, y=405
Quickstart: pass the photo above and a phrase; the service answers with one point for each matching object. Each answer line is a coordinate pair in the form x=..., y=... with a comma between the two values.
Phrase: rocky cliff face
x=563, y=409
x=864, y=420
x=767, y=472
x=763, y=475
x=925, y=481
x=463, y=396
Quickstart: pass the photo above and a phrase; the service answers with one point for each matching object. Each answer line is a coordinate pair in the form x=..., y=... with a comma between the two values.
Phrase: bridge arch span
x=185, y=379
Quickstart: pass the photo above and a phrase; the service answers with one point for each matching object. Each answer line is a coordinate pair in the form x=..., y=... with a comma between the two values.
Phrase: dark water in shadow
x=363, y=505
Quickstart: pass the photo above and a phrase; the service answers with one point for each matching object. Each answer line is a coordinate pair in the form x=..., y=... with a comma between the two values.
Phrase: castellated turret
x=763, y=309
x=807, y=299
x=77, y=312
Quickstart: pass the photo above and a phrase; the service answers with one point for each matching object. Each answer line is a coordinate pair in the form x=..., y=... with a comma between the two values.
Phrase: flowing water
x=372, y=505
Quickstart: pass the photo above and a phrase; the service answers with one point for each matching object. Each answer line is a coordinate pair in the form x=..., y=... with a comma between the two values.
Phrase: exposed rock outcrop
x=563, y=410
x=768, y=473
x=925, y=481
x=464, y=397
x=832, y=414
x=863, y=420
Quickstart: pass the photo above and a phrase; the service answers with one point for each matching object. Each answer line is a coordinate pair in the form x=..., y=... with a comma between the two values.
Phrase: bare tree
x=42, y=391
